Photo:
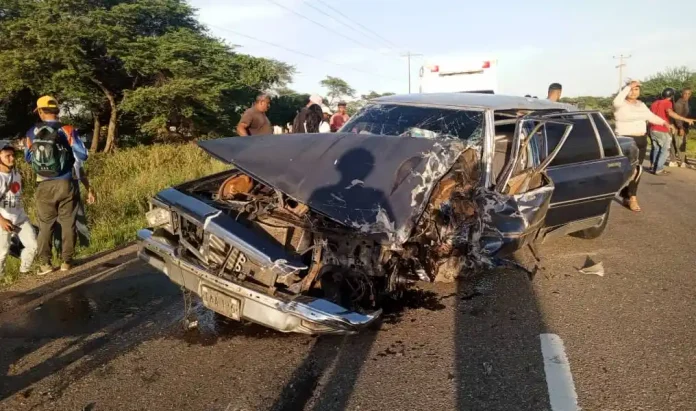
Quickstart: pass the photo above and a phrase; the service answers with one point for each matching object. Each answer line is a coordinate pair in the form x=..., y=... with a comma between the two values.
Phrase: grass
x=124, y=182
x=691, y=145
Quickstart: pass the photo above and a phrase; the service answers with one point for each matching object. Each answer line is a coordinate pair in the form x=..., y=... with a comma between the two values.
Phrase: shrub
x=124, y=182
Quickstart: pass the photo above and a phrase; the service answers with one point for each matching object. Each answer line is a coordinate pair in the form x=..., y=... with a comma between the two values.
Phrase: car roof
x=477, y=100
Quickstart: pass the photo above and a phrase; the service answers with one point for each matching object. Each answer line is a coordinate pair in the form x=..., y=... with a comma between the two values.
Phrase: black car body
x=309, y=232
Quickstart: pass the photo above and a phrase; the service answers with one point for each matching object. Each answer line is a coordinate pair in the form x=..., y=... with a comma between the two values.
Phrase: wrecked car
x=309, y=233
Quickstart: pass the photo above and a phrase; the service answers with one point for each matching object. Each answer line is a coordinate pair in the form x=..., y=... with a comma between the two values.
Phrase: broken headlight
x=159, y=217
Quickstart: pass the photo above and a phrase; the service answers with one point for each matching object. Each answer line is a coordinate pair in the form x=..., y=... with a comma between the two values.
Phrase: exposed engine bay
x=353, y=269
x=325, y=247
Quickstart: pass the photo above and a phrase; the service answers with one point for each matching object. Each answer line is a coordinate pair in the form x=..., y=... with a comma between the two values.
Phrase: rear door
x=588, y=170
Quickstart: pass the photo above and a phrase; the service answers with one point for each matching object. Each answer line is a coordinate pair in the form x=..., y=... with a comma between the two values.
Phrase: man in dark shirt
x=555, y=91
x=682, y=108
x=254, y=121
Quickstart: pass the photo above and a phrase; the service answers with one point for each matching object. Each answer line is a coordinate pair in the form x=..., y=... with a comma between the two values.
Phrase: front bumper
x=300, y=314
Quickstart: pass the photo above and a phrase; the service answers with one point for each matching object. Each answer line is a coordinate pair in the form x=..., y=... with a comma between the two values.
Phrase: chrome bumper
x=301, y=314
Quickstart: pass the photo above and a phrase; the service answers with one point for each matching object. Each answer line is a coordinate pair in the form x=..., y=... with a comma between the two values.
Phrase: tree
x=373, y=94
x=73, y=48
x=194, y=84
x=16, y=114
x=338, y=89
x=603, y=104
x=354, y=106
x=675, y=77
x=285, y=105
x=99, y=54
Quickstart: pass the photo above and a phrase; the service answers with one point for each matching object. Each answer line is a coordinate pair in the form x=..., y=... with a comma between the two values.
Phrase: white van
x=459, y=75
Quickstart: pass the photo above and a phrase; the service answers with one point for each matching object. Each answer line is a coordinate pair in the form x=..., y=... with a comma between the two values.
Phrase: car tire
x=596, y=231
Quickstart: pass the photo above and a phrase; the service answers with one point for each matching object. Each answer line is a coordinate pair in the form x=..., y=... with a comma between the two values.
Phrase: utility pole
x=620, y=67
x=408, y=55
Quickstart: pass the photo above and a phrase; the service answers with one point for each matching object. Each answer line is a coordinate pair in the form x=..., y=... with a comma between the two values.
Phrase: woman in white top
x=324, y=127
x=631, y=116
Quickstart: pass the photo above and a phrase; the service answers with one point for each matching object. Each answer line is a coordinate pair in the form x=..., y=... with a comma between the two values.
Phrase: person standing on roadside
x=254, y=121
x=81, y=228
x=659, y=133
x=13, y=218
x=631, y=116
x=298, y=124
x=52, y=148
x=555, y=91
x=682, y=108
x=324, y=127
x=340, y=118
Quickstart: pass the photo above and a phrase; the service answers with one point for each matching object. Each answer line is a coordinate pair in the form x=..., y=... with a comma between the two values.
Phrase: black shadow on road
x=90, y=317
x=498, y=360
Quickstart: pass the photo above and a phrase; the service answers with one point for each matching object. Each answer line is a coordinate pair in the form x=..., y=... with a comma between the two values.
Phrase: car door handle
x=614, y=165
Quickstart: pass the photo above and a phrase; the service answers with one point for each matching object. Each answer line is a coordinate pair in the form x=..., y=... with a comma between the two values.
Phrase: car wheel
x=596, y=231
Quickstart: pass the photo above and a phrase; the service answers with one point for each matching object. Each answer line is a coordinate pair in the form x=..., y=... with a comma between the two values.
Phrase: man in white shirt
x=13, y=218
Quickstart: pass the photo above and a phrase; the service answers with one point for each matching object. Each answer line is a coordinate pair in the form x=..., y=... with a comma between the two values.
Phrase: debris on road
x=592, y=268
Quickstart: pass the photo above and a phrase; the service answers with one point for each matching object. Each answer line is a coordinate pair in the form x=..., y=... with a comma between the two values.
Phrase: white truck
x=459, y=75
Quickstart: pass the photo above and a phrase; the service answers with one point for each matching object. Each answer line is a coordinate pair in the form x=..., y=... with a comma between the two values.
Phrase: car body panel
x=304, y=315
x=375, y=184
x=414, y=196
x=585, y=190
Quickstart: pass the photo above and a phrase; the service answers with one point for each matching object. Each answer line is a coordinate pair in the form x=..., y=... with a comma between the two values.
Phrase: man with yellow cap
x=52, y=148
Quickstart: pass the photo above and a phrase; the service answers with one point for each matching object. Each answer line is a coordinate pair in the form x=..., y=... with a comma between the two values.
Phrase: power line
x=358, y=24
x=408, y=55
x=338, y=20
x=321, y=25
x=301, y=53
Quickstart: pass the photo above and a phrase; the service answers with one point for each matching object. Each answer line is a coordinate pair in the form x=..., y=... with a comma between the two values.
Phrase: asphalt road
x=110, y=337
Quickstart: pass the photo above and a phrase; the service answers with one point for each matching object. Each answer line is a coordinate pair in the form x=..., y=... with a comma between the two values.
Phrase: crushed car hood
x=376, y=184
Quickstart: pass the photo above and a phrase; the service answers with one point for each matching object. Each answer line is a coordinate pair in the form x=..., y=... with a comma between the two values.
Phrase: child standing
x=13, y=218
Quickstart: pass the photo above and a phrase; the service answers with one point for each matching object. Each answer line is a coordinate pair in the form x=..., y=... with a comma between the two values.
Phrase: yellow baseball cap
x=46, y=102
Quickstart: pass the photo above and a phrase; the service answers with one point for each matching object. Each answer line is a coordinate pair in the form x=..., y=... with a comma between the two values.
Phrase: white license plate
x=221, y=303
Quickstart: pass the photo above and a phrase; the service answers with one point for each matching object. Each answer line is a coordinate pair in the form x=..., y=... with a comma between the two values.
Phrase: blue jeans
x=661, y=143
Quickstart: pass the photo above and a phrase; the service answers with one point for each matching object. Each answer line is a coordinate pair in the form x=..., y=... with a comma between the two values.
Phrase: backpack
x=51, y=155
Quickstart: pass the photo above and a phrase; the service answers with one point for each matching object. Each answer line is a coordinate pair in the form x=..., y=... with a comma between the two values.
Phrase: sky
x=535, y=42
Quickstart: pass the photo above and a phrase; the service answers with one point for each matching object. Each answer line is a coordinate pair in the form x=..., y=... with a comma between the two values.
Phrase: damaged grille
x=237, y=265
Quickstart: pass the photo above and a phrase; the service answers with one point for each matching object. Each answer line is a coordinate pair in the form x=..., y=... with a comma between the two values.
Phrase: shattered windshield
x=412, y=121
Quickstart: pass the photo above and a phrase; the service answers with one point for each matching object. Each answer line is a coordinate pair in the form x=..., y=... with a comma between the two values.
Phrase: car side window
x=606, y=136
x=581, y=144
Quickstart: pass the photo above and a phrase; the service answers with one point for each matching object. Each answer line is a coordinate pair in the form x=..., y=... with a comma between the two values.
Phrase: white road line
x=559, y=380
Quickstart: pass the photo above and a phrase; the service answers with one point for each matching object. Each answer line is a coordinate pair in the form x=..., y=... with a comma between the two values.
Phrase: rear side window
x=581, y=144
x=607, y=138
x=412, y=121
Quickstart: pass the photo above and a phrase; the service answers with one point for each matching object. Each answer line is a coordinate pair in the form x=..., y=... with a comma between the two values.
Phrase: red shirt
x=338, y=120
x=660, y=108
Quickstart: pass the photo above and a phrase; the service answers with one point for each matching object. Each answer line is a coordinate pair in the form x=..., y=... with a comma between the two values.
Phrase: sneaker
x=65, y=267
x=45, y=269
x=662, y=172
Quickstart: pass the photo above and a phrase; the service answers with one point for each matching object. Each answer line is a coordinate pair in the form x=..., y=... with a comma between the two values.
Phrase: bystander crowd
x=660, y=133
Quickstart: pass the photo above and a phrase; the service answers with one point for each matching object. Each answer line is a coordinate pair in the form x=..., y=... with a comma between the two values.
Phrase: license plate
x=221, y=303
